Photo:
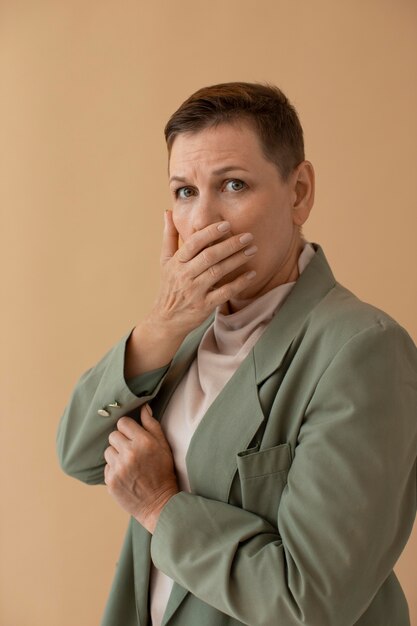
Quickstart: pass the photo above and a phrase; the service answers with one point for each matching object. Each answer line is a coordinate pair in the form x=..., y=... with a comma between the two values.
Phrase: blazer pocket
x=263, y=476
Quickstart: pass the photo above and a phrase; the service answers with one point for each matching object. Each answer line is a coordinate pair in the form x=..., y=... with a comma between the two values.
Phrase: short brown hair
x=265, y=106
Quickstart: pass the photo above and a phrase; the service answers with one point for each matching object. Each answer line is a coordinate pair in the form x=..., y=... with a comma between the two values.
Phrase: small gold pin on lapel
x=114, y=404
x=103, y=413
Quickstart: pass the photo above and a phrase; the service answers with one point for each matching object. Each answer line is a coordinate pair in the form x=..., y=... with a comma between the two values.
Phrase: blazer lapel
x=177, y=595
x=311, y=287
x=227, y=427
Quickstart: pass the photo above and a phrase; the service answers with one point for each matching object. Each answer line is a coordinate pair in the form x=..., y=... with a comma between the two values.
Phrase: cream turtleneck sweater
x=222, y=349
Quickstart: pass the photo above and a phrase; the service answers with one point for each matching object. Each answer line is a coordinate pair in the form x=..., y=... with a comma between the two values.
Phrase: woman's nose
x=206, y=211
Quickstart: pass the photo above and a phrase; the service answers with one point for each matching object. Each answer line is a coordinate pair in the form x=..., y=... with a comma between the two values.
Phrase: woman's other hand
x=140, y=473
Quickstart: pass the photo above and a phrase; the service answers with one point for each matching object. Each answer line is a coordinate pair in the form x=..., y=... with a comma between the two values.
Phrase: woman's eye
x=184, y=192
x=235, y=185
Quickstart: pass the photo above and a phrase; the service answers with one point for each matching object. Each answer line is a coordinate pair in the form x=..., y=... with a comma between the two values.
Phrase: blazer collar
x=313, y=284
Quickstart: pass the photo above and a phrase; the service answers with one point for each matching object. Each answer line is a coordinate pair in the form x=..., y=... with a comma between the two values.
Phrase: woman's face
x=220, y=173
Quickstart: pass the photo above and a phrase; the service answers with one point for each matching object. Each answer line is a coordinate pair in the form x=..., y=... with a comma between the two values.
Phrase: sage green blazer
x=303, y=471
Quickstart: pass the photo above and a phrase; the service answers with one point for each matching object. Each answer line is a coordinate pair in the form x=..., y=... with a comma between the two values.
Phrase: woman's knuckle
x=129, y=457
x=223, y=293
x=147, y=445
x=110, y=480
x=215, y=271
x=181, y=255
x=186, y=273
x=234, y=244
x=206, y=258
x=188, y=250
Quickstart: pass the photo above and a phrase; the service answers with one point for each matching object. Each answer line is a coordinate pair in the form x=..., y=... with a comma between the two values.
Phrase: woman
x=275, y=482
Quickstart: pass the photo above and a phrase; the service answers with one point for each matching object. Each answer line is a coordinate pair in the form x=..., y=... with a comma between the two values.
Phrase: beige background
x=86, y=89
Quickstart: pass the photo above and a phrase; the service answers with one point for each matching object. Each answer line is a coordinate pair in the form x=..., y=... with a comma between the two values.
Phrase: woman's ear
x=303, y=187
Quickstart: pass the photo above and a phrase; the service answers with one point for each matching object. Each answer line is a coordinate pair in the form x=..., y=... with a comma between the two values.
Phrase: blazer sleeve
x=83, y=433
x=346, y=511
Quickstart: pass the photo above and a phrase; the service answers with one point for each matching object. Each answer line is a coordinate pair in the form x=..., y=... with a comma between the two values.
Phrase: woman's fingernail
x=148, y=408
x=251, y=275
x=251, y=250
x=223, y=227
x=246, y=238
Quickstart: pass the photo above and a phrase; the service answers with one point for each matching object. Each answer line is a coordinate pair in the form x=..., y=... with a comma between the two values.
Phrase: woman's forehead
x=225, y=145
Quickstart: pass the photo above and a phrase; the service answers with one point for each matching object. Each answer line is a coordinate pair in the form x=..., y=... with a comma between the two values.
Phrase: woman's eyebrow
x=180, y=179
x=228, y=168
x=222, y=170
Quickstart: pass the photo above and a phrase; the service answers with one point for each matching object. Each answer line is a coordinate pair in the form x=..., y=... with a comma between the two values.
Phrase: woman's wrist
x=151, y=345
